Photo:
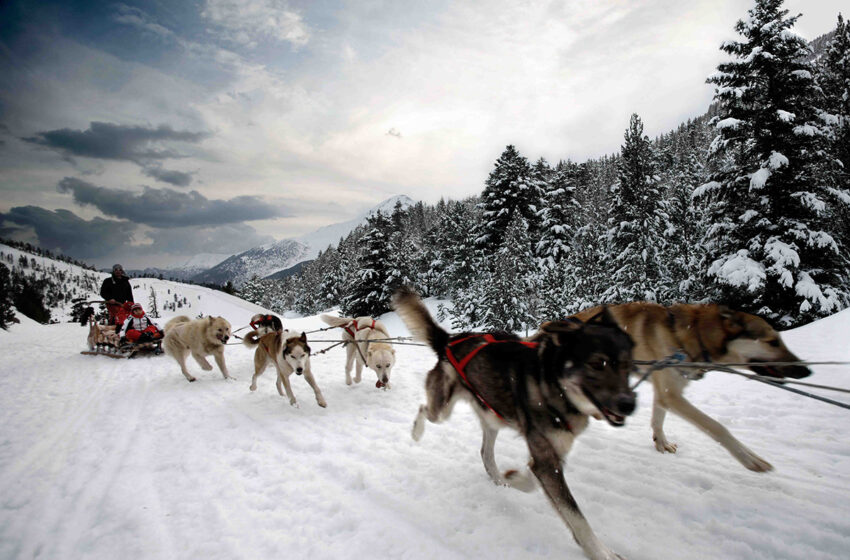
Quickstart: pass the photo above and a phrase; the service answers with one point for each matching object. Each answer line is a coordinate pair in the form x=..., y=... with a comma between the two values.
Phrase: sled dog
x=289, y=353
x=545, y=389
x=200, y=338
x=266, y=323
x=705, y=333
x=360, y=334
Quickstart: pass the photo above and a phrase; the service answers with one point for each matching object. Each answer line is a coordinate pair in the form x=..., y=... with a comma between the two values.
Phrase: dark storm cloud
x=176, y=178
x=166, y=208
x=229, y=238
x=114, y=141
x=64, y=231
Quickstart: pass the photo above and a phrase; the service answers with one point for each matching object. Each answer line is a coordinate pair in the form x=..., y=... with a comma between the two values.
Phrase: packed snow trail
x=103, y=457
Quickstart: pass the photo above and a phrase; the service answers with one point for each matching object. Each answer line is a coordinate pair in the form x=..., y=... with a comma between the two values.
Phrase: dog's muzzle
x=299, y=371
x=620, y=406
x=223, y=338
x=779, y=372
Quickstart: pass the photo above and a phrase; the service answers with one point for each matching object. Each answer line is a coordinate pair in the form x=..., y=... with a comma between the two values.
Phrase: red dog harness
x=264, y=319
x=352, y=328
x=461, y=364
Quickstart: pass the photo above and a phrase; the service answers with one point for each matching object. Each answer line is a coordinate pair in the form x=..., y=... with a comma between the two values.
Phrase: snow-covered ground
x=102, y=458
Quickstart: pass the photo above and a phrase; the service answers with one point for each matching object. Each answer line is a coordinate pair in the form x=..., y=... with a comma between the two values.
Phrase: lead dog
x=706, y=333
x=289, y=353
x=359, y=335
x=200, y=338
x=545, y=389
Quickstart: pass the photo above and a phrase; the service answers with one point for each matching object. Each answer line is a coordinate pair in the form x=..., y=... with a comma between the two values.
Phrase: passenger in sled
x=139, y=328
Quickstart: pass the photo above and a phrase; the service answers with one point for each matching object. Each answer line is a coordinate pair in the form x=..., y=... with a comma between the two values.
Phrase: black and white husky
x=545, y=389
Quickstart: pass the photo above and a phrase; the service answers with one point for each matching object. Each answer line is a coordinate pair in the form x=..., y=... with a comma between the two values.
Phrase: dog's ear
x=734, y=322
x=603, y=317
x=303, y=337
x=552, y=330
x=211, y=319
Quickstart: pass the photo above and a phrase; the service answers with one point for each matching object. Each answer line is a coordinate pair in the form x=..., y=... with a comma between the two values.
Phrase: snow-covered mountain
x=260, y=261
x=186, y=271
x=329, y=235
x=268, y=260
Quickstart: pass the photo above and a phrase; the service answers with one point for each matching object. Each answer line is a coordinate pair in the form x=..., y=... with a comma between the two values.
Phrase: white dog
x=360, y=335
x=200, y=337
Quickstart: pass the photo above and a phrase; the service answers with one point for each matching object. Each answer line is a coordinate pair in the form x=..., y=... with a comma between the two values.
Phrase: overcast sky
x=157, y=130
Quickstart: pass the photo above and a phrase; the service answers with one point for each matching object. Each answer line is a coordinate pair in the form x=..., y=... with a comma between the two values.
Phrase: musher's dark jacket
x=119, y=290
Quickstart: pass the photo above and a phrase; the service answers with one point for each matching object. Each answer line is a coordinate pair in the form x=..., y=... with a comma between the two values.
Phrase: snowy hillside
x=260, y=261
x=65, y=281
x=99, y=456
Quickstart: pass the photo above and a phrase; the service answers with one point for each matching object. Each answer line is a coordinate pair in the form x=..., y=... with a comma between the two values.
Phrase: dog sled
x=103, y=338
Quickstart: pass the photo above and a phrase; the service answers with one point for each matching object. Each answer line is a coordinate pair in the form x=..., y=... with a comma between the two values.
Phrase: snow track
x=101, y=458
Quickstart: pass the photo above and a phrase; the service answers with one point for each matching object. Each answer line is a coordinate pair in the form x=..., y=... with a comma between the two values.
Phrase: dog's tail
x=175, y=321
x=251, y=339
x=418, y=320
x=336, y=321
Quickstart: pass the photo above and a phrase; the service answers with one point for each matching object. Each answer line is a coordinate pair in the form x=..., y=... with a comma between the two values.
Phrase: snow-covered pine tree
x=587, y=271
x=509, y=189
x=368, y=292
x=558, y=217
x=153, y=308
x=329, y=288
x=683, y=256
x=510, y=297
x=833, y=76
x=636, y=222
x=402, y=252
x=252, y=290
x=6, y=303
x=772, y=243
x=430, y=266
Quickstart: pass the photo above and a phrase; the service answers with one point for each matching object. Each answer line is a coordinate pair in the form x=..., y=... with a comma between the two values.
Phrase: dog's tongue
x=379, y=384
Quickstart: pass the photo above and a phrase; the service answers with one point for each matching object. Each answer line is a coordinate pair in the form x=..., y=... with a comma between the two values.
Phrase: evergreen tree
x=636, y=222
x=557, y=216
x=153, y=308
x=369, y=292
x=7, y=315
x=772, y=245
x=509, y=189
x=587, y=272
x=683, y=257
x=833, y=71
x=28, y=297
x=509, y=296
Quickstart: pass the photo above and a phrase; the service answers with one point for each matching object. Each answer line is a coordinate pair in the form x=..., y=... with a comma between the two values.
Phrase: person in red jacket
x=138, y=327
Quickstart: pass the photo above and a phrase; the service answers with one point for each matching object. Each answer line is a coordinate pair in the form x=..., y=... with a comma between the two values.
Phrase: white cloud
x=246, y=22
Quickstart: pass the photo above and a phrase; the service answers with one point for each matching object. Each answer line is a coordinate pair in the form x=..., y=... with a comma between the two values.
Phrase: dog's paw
x=206, y=367
x=294, y=403
x=348, y=381
x=230, y=377
x=192, y=380
x=664, y=446
x=605, y=553
x=523, y=482
x=322, y=403
x=753, y=462
x=418, y=429
x=252, y=388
